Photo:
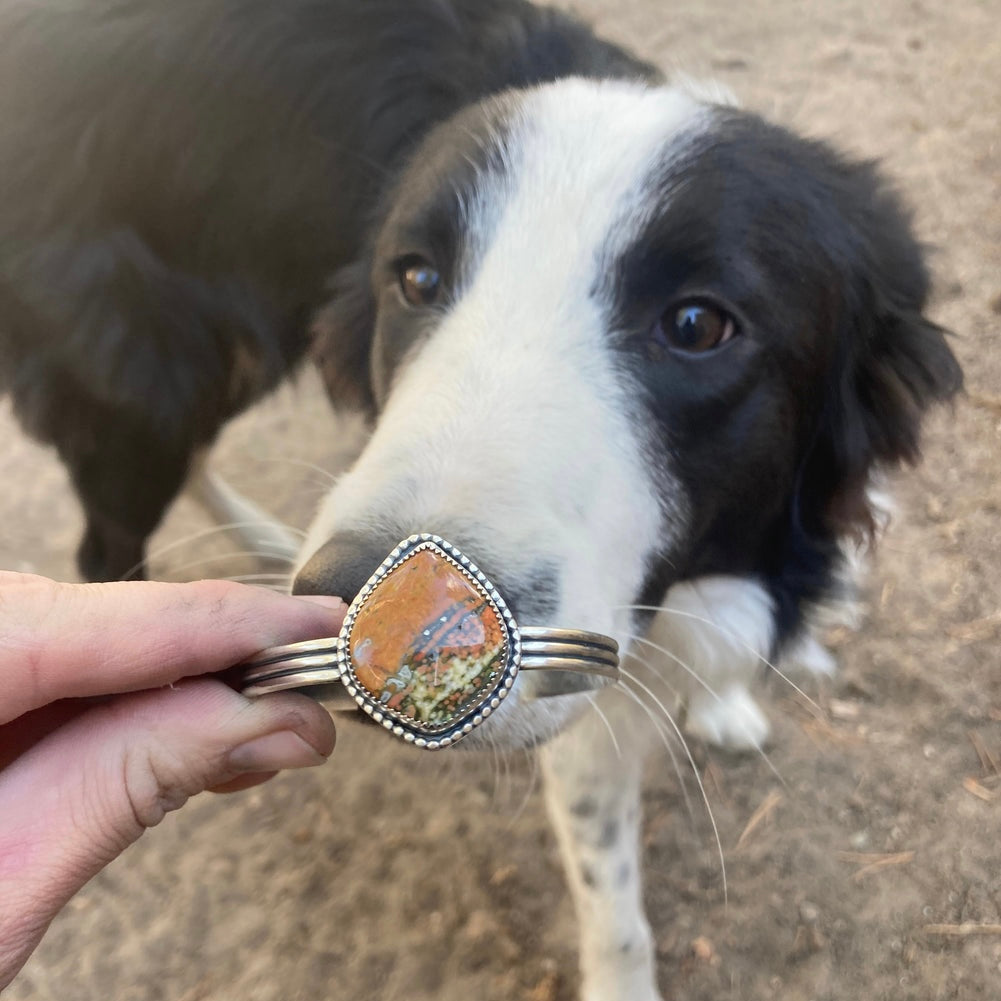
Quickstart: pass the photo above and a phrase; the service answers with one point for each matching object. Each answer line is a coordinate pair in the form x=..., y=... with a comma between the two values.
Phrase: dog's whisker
x=523, y=797
x=687, y=668
x=608, y=726
x=774, y=668
x=660, y=678
x=228, y=526
x=331, y=478
x=506, y=774
x=533, y=783
x=220, y=557
x=207, y=533
x=259, y=578
x=263, y=554
x=495, y=769
x=279, y=586
x=665, y=736
x=656, y=674
x=736, y=637
x=630, y=677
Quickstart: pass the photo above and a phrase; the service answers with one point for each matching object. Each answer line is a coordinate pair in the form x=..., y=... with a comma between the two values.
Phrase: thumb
x=83, y=794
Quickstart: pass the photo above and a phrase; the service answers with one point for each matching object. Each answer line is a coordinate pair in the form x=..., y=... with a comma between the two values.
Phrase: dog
x=638, y=352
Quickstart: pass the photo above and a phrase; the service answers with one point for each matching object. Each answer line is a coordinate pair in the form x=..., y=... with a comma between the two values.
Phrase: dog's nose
x=342, y=565
x=345, y=562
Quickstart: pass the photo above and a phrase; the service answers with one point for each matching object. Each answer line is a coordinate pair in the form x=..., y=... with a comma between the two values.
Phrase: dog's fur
x=181, y=180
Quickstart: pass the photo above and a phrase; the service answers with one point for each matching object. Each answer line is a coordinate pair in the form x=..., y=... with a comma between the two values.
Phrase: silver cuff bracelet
x=429, y=649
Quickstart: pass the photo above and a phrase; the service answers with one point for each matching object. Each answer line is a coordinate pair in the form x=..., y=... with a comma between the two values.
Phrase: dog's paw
x=617, y=995
x=732, y=720
x=809, y=657
x=620, y=988
x=625, y=970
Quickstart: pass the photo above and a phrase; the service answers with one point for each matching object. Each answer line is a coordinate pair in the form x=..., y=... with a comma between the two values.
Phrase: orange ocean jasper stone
x=427, y=643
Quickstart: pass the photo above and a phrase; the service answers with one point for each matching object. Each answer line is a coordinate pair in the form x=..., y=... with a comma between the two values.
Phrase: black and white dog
x=628, y=346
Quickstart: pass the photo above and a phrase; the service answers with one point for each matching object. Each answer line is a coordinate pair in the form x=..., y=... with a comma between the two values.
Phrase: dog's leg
x=593, y=796
x=721, y=629
x=718, y=634
x=125, y=477
x=251, y=526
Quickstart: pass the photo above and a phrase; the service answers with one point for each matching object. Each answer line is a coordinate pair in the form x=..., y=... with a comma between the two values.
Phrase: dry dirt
x=390, y=875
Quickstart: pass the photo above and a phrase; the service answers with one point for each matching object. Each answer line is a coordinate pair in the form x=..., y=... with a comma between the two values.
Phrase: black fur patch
x=180, y=180
x=775, y=434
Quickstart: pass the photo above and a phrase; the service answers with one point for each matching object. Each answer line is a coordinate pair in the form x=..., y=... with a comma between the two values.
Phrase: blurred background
x=391, y=875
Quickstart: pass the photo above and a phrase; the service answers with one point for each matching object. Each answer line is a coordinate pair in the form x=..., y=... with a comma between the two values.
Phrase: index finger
x=71, y=640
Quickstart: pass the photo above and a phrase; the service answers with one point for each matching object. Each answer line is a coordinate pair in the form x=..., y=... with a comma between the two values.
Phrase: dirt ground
x=390, y=874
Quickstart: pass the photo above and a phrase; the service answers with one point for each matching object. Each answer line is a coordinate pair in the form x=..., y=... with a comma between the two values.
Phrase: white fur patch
x=806, y=655
x=511, y=426
x=712, y=639
x=730, y=719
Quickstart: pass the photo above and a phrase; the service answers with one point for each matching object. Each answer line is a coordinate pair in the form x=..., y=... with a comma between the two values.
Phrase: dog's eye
x=694, y=328
x=420, y=283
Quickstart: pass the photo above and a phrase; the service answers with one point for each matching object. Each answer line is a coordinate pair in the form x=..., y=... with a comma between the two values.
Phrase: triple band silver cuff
x=429, y=650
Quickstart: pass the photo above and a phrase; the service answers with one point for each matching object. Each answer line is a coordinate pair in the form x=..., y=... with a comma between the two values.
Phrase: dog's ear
x=904, y=366
x=342, y=338
x=895, y=363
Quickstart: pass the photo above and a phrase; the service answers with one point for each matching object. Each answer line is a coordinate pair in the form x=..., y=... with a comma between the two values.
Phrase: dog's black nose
x=345, y=562
x=342, y=565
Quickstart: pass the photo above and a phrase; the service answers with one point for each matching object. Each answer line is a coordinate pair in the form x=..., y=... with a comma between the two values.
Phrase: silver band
x=294, y=665
x=562, y=652
x=280, y=654
x=573, y=660
x=567, y=661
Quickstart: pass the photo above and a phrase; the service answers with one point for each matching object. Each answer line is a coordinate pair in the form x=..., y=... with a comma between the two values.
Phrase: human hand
x=106, y=724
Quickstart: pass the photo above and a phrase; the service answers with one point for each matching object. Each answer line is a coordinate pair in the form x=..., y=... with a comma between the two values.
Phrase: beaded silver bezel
x=432, y=737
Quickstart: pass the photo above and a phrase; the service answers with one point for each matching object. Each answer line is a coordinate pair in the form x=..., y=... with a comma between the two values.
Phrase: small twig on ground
x=875, y=861
x=963, y=930
x=974, y=788
x=821, y=731
x=988, y=760
x=760, y=815
x=976, y=630
x=797, y=703
x=713, y=776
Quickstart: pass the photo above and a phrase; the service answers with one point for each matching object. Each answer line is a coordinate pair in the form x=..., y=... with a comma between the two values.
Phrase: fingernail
x=275, y=752
x=324, y=600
